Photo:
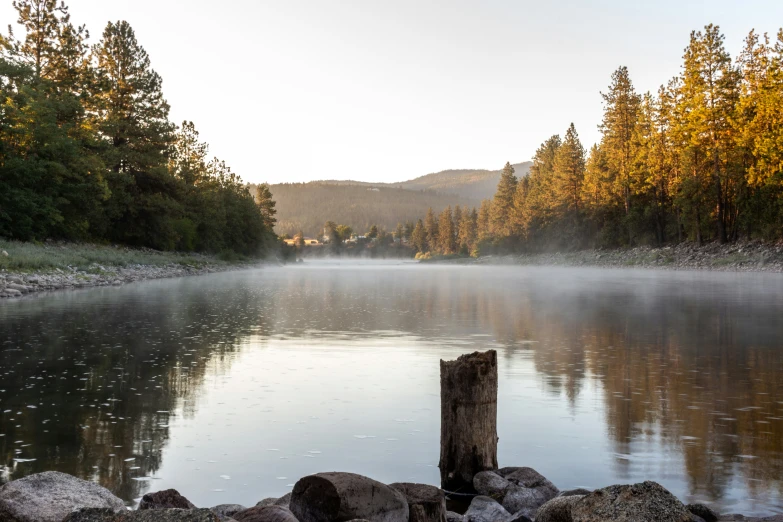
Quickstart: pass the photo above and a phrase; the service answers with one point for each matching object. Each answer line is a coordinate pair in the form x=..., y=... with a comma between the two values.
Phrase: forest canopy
x=88, y=152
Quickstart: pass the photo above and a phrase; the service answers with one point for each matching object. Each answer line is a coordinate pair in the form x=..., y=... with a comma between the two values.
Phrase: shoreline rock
x=336, y=496
x=752, y=256
x=15, y=285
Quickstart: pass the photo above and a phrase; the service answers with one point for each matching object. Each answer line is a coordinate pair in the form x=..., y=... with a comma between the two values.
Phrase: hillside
x=306, y=206
x=474, y=184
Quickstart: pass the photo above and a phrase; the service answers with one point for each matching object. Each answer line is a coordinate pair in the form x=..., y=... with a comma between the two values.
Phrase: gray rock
x=4, y=253
x=166, y=499
x=50, y=496
x=519, y=517
x=454, y=517
x=148, y=515
x=572, y=492
x=337, y=496
x=265, y=514
x=425, y=503
x=486, y=509
x=558, y=509
x=227, y=510
x=526, y=501
x=643, y=502
x=490, y=484
x=267, y=502
x=705, y=512
x=284, y=501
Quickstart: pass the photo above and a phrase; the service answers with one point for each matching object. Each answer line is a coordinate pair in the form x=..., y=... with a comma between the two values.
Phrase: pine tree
x=621, y=113
x=569, y=171
x=133, y=116
x=446, y=231
x=501, y=214
x=267, y=206
x=710, y=90
x=431, y=228
x=483, y=219
x=419, y=237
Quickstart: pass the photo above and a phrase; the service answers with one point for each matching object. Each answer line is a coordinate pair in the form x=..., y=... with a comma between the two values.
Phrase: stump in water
x=468, y=425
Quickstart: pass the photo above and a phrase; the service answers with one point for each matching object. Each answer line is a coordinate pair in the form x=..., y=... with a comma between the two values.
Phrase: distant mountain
x=475, y=184
x=306, y=206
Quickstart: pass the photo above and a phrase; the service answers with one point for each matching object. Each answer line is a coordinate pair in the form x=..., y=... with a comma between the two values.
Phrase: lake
x=230, y=387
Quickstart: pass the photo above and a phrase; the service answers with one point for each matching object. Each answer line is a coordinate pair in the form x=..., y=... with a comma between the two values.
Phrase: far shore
x=730, y=257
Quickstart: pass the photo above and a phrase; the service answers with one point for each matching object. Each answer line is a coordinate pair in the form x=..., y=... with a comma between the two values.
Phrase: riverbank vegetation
x=700, y=160
x=88, y=153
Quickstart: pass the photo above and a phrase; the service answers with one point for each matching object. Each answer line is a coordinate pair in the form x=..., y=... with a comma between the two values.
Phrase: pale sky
x=295, y=90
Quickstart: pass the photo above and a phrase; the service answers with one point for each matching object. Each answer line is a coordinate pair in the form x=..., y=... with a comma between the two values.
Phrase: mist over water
x=232, y=386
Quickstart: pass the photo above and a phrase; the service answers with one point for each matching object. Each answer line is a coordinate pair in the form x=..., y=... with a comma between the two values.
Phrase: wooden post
x=468, y=413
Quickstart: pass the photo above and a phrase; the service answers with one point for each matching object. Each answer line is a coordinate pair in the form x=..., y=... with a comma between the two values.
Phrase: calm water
x=230, y=387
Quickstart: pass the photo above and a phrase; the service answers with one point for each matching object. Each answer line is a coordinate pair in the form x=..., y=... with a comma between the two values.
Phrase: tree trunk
x=468, y=431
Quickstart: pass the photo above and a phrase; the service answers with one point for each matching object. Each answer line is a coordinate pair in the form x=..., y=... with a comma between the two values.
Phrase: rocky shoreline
x=16, y=284
x=732, y=257
x=513, y=494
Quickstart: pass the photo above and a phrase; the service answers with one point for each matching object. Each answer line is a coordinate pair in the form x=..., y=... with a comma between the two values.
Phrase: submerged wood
x=468, y=429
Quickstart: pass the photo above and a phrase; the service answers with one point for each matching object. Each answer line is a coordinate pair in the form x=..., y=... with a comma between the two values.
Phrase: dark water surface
x=230, y=387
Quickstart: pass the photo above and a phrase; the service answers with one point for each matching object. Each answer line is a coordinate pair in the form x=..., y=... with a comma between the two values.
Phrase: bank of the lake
x=27, y=268
x=731, y=257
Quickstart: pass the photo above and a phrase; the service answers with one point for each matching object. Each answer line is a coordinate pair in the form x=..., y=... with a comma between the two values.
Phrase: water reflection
x=232, y=386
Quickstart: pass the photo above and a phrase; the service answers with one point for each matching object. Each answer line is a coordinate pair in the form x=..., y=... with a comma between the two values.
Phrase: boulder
x=148, y=515
x=425, y=503
x=265, y=514
x=270, y=501
x=558, y=509
x=643, y=502
x=705, y=512
x=50, y=496
x=166, y=499
x=454, y=517
x=284, y=501
x=486, y=509
x=576, y=491
x=345, y=496
x=519, y=517
x=526, y=501
x=490, y=484
x=227, y=510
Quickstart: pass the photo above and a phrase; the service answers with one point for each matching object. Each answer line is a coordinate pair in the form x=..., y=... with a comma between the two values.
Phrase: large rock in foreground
x=265, y=514
x=521, y=491
x=425, y=503
x=51, y=496
x=327, y=497
x=558, y=509
x=486, y=509
x=644, y=502
x=148, y=515
x=166, y=499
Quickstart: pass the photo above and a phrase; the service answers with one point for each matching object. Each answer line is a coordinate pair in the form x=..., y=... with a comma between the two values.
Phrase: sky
x=385, y=91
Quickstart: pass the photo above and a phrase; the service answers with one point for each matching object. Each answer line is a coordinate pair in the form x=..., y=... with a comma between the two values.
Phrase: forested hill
x=306, y=206
x=474, y=184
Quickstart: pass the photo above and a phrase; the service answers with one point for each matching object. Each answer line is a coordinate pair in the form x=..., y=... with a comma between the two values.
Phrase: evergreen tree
x=446, y=231
x=133, y=117
x=569, y=172
x=431, y=228
x=501, y=213
x=419, y=237
x=268, y=211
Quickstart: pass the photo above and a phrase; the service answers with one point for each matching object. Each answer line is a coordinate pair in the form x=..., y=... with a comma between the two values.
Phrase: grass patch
x=26, y=257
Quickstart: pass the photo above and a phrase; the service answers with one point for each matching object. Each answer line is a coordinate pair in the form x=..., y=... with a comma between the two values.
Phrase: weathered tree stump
x=425, y=503
x=468, y=412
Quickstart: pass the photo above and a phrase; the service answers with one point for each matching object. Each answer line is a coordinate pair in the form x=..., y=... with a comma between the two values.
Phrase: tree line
x=699, y=160
x=87, y=150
